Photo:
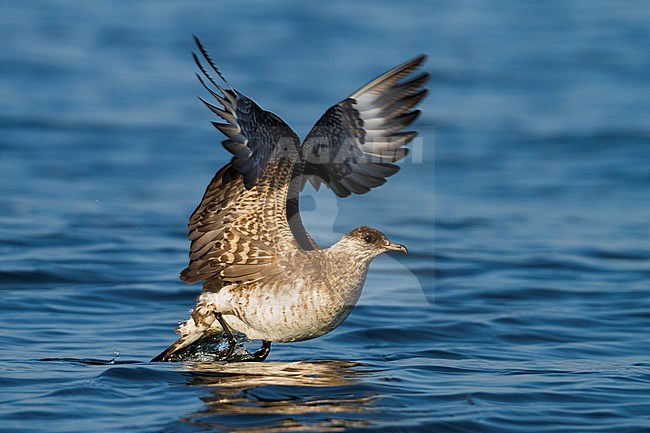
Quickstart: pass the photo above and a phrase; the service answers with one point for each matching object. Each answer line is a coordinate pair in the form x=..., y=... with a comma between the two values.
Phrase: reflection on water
x=280, y=396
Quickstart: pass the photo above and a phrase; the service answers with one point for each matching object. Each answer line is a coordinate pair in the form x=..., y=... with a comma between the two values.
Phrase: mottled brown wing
x=232, y=238
x=353, y=146
x=239, y=232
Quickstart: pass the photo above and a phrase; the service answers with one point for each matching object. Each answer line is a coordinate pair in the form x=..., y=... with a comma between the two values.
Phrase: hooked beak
x=392, y=246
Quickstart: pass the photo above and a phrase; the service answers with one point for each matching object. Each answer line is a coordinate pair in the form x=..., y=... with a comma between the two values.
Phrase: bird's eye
x=369, y=239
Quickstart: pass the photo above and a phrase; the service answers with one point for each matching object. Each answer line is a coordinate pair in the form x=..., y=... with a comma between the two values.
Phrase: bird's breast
x=294, y=310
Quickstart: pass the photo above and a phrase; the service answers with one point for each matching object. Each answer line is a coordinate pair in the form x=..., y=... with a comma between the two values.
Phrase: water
x=523, y=305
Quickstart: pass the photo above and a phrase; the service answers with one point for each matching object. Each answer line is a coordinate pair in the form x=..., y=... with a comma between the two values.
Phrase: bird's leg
x=231, y=338
x=262, y=352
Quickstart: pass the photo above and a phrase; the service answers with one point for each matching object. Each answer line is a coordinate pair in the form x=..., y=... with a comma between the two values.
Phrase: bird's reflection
x=281, y=396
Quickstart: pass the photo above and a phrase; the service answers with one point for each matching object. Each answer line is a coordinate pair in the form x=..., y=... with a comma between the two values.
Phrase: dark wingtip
x=196, y=59
x=197, y=41
x=158, y=358
x=164, y=355
x=416, y=61
x=208, y=58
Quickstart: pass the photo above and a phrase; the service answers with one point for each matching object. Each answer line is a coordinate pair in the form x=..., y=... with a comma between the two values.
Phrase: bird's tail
x=181, y=343
x=202, y=322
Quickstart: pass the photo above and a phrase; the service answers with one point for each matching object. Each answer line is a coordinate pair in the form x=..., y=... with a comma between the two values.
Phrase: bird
x=263, y=274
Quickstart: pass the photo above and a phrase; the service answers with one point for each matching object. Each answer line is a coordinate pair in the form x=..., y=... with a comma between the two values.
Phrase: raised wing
x=239, y=232
x=254, y=135
x=353, y=146
x=229, y=238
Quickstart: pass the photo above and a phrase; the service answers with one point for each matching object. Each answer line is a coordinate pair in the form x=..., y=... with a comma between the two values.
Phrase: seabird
x=263, y=274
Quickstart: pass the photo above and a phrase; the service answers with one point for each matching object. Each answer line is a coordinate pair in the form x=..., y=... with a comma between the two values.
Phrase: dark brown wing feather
x=240, y=235
x=254, y=135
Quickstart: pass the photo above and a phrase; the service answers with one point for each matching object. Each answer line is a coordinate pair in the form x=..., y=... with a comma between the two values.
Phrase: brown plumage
x=264, y=276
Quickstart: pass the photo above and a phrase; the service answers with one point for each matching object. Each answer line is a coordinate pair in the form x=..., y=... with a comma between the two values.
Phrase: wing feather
x=353, y=145
x=254, y=135
x=230, y=237
x=239, y=232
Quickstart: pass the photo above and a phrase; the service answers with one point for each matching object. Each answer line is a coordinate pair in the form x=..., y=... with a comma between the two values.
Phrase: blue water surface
x=523, y=306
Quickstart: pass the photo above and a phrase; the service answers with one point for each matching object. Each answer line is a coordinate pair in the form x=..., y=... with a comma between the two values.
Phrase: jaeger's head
x=367, y=243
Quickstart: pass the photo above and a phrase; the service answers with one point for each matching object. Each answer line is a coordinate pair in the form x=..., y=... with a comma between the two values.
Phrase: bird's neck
x=343, y=257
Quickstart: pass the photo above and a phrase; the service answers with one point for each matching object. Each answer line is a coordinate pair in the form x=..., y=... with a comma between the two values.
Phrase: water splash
x=212, y=348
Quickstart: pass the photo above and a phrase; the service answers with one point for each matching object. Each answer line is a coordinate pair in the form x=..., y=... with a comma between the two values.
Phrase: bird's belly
x=293, y=312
